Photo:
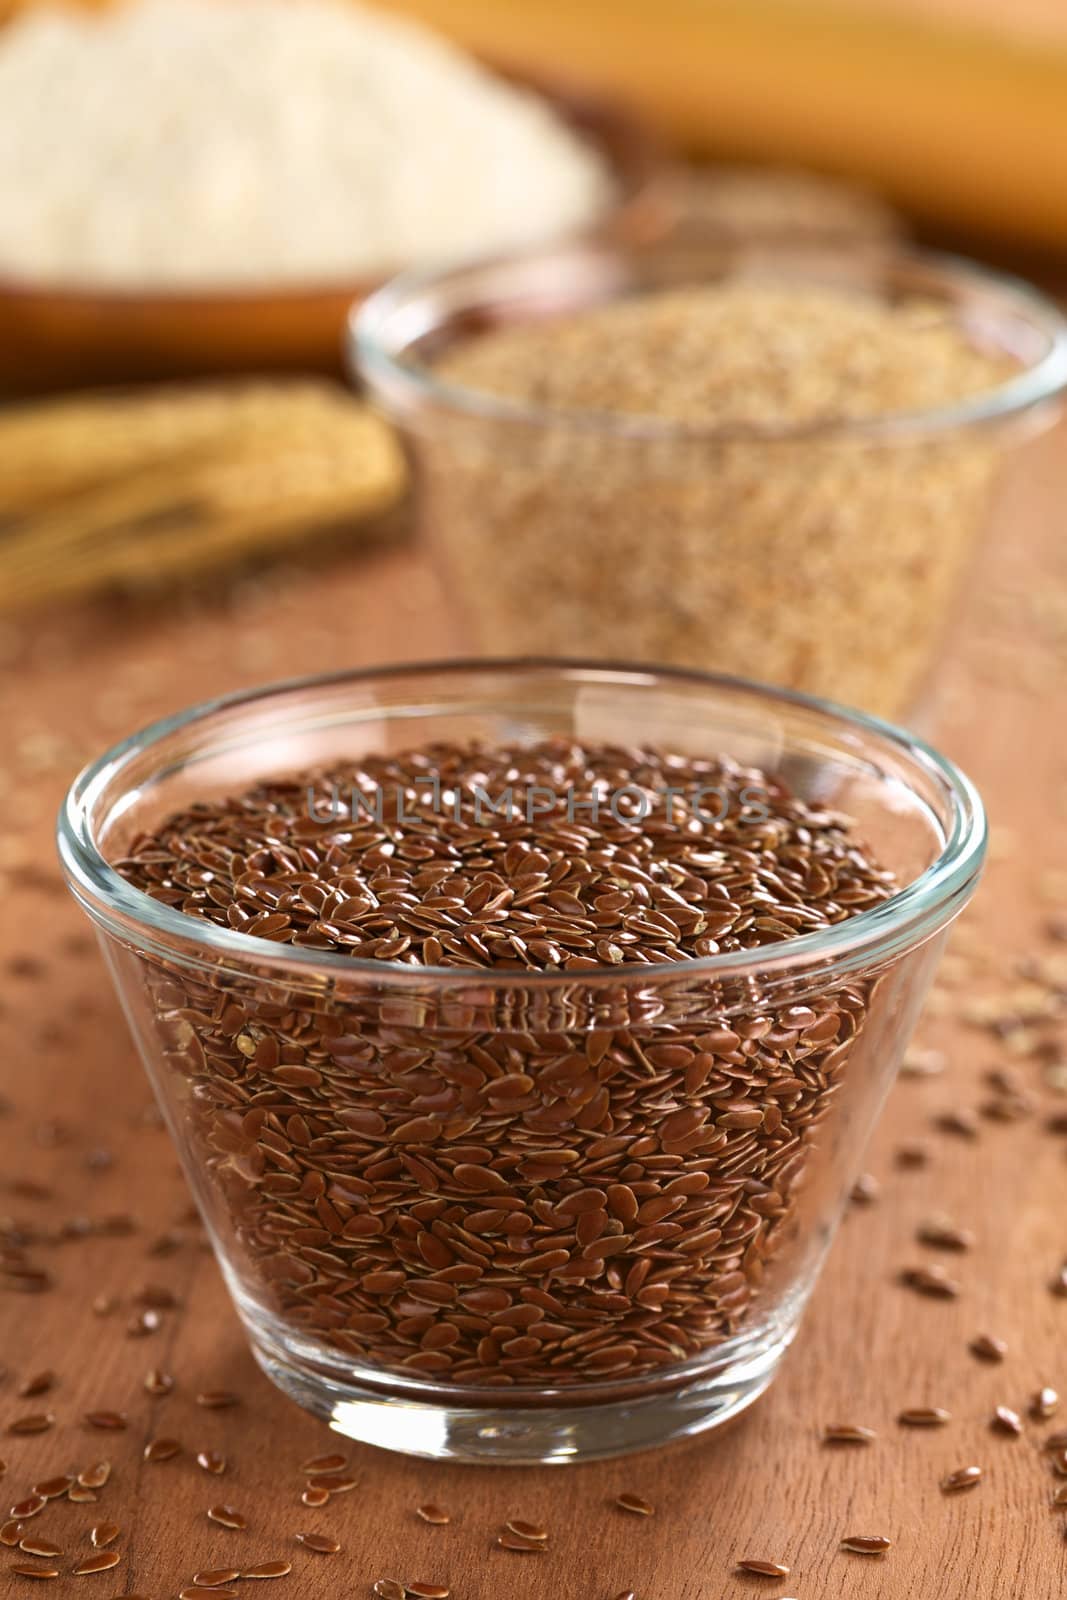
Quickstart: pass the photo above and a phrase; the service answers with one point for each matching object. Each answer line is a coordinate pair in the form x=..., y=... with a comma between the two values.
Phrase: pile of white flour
x=214, y=142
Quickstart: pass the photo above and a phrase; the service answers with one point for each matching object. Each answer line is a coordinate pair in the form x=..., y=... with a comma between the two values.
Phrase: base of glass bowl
x=542, y=1433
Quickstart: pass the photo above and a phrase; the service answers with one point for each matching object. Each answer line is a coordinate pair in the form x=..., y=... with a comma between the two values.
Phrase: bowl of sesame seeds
x=772, y=461
x=521, y=1024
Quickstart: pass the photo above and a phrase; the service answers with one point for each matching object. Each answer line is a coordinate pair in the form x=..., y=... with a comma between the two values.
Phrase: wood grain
x=765, y=1486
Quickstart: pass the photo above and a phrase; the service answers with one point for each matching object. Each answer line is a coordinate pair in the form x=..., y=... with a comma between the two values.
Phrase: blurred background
x=195, y=193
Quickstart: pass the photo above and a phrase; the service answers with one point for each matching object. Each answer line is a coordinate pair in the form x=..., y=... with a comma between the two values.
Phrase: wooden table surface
x=90, y=1193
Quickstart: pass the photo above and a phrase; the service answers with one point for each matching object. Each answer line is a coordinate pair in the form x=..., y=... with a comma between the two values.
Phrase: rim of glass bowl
x=383, y=329
x=910, y=917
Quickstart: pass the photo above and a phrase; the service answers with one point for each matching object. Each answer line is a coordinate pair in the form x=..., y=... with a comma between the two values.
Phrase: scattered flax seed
x=1006, y=1420
x=333, y=1482
x=317, y=1464
x=34, y=1422
x=516, y=1542
x=911, y=1156
x=227, y=1517
x=1059, y=1463
x=865, y=1190
x=217, y=1399
x=104, y=1533
x=157, y=1297
x=143, y=1324
x=962, y=1478
x=211, y=1462
x=988, y=1348
x=216, y=1577
x=434, y=1515
x=22, y=1569
x=324, y=1544
x=1004, y=1080
x=848, y=1433
x=527, y=1530
x=1056, y=1441
x=268, y=1569
x=30, y=1507
x=315, y=1498
x=114, y=1420
x=1058, y=1284
x=635, y=1504
x=11, y=1533
x=101, y=1562
x=33, y=1545
x=40, y=1383
x=29, y=1189
x=428, y=1591
x=933, y=1281
x=1059, y=1496
x=863, y=1544
x=54, y=1488
x=158, y=1383
x=25, y=1279
x=1044, y=1405
x=626, y=1594
x=763, y=1569
x=162, y=1450
x=941, y=1234
x=193, y=1591
x=958, y=1121
x=82, y=1496
x=388, y=1589
x=1007, y=1108
x=167, y=1244
x=925, y=1417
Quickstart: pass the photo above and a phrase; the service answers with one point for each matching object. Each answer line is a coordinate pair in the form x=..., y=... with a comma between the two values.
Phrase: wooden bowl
x=54, y=337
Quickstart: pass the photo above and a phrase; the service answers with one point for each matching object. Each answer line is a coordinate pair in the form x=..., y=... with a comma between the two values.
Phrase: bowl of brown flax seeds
x=521, y=1025
x=770, y=462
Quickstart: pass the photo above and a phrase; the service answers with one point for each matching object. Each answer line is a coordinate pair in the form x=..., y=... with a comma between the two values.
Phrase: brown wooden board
x=79, y=1123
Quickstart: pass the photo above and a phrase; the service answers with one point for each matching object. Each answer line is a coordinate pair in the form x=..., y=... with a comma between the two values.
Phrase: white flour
x=203, y=142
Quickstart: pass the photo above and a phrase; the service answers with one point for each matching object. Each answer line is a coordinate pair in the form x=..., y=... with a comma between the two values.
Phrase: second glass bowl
x=824, y=557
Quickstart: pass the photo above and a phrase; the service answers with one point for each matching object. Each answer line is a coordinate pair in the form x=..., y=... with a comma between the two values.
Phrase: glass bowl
x=434, y=1289
x=824, y=556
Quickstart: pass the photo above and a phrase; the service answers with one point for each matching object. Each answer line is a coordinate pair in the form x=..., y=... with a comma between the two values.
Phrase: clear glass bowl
x=823, y=557
x=378, y=1284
